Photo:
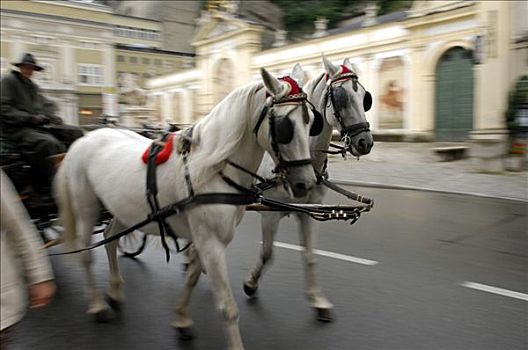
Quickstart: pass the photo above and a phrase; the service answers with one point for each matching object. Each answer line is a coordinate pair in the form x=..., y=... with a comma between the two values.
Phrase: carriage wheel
x=132, y=244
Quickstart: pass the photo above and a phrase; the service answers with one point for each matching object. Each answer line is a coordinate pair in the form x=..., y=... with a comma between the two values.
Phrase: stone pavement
x=415, y=166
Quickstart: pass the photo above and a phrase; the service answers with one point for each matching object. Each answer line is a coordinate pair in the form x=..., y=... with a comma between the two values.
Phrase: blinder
x=283, y=128
x=317, y=125
x=367, y=101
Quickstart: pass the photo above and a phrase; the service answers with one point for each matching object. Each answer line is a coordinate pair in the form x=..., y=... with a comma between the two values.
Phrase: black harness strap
x=260, y=119
x=152, y=196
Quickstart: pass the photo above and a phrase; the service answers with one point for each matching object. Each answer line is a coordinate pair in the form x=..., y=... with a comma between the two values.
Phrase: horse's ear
x=330, y=68
x=298, y=75
x=272, y=84
x=347, y=64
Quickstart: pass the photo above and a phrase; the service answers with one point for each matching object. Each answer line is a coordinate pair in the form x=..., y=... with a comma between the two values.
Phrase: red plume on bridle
x=342, y=70
x=294, y=91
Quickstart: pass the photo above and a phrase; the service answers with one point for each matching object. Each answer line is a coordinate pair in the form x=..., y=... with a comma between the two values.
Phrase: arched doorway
x=454, y=95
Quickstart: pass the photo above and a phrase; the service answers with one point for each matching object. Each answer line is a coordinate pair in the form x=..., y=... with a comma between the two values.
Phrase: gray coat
x=23, y=262
x=20, y=100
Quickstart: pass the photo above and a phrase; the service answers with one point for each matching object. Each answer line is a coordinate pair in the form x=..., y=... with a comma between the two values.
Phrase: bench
x=450, y=153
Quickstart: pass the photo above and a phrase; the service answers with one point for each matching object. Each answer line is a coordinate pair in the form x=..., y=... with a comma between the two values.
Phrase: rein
x=247, y=196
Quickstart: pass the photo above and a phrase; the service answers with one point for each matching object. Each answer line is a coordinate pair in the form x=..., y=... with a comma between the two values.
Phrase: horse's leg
x=86, y=221
x=184, y=321
x=115, y=295
x=269, y=224
x=212, y=255
x=313, y=291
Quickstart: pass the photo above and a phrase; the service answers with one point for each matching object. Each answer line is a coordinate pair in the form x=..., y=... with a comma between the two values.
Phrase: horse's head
x=344, y=105
x=286, y=134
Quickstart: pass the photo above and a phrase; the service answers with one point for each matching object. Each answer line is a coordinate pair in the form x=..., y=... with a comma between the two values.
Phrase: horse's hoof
x=249, y=290
x=116, y=305
x=185, y=333
x=104, y=316
x=324, y=315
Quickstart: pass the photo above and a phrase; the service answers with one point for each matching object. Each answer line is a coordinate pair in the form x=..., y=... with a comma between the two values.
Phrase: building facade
x=440, y=71
x=73, y=41
x=85, y=48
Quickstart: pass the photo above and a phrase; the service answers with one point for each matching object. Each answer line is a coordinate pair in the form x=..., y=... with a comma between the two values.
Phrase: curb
x=425, y=189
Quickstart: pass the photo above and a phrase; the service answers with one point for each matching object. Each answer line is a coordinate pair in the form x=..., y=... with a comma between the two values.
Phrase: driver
x=28, y=120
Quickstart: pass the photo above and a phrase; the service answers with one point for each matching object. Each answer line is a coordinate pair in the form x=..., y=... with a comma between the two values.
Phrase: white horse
x=104, y=168
x=343, y=101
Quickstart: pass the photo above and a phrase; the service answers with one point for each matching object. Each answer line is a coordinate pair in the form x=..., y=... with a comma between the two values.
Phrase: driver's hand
x=40, y=119
x=56, y=121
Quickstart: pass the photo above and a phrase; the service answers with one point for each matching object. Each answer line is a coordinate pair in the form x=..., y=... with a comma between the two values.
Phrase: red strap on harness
x=163, y=155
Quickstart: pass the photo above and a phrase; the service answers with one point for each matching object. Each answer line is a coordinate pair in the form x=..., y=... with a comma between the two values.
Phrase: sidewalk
x=413, y=165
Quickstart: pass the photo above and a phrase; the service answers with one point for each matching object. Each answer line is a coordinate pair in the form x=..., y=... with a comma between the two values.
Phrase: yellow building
x=145, y=62
x=85, y=48
x=440, y=71
x=139, y=50
x=73, y=41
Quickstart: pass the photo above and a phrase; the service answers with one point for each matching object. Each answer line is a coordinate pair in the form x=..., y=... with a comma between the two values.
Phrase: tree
x=299, y=16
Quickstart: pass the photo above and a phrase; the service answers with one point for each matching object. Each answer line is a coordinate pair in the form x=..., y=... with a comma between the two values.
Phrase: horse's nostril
x=362, y=144
x=301, y=186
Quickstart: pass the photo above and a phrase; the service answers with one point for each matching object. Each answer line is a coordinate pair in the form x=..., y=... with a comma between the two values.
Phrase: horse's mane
x=314, y=83
x=219, y=133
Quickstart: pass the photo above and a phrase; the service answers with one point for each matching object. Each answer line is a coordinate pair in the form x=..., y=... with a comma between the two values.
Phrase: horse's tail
x=66, y=214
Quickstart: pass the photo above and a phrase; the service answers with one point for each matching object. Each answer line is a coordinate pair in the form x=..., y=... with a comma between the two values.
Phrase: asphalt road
x=434, y=260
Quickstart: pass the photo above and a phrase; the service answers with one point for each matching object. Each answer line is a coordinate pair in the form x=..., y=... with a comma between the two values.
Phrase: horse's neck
x=236, y=134
x=249, y=156
x=322, y=141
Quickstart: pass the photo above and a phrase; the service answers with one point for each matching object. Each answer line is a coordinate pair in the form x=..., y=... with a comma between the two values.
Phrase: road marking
x=328, y=254
x=495, y=290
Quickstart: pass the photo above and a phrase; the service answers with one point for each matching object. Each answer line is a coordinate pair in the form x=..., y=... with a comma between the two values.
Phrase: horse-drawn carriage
x=44, y=212
x=201, y=189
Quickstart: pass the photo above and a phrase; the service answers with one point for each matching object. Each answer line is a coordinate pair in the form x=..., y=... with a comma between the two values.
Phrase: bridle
x=299, y=99
x=347, y=132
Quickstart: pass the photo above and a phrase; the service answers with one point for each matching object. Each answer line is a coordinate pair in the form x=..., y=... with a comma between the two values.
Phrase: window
x=120, y=58
x=91, y=74
x=133, y=59
x=131, y=32
x=146, y=60
x=46, y=77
